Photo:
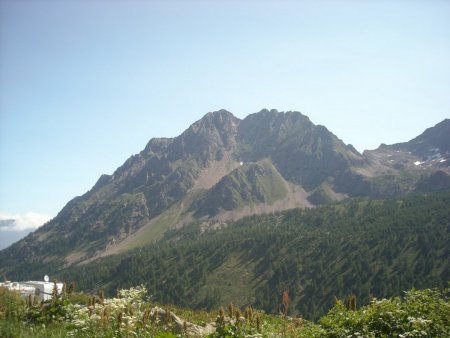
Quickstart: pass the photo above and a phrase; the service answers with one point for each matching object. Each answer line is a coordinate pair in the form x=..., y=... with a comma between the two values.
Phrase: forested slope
x=364, y=247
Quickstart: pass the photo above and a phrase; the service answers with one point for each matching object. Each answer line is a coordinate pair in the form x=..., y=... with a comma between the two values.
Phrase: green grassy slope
x=249, y=184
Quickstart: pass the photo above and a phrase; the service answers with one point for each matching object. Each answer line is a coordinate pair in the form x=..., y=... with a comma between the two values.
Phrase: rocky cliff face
x=222, y=165
x=303, y=153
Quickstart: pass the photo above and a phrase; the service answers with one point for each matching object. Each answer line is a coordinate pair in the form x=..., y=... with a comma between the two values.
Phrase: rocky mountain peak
x=221, y=121
x=435, y=137
x=272, y=124
x=431, y=148
x=206, y=139
x=157, y=145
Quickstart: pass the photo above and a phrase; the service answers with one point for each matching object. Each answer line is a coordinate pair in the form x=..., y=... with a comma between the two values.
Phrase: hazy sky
x=86, y=84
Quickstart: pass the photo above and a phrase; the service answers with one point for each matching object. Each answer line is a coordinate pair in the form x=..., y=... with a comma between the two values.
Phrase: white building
x=35, y=288
x=44, y=289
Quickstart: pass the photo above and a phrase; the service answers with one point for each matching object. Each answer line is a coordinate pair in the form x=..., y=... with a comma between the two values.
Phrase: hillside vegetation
x=418, y=313
x=363, y=247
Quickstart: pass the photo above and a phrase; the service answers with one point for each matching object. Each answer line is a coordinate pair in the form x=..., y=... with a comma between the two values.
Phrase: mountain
x=224, y=168
x=421, y=164
x=433, y=145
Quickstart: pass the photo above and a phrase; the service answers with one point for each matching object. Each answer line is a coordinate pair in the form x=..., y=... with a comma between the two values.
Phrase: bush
x=421, y=313
x=11, y=304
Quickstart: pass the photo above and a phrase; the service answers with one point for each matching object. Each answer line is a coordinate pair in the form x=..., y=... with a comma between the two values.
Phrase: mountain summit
x=433, y=143
x=223, y=168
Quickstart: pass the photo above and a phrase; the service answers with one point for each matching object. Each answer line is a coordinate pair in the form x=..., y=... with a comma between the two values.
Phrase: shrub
x=421, y=313
x=117, y=316
x=11, y=304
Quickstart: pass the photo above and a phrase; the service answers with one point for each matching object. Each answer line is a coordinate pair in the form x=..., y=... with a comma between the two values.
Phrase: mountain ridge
x=206, y=172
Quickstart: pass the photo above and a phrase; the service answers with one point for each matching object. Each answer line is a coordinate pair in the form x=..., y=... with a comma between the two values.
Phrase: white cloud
x=20, y=222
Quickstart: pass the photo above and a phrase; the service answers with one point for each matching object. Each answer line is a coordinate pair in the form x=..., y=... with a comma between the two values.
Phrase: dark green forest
x=363, y=247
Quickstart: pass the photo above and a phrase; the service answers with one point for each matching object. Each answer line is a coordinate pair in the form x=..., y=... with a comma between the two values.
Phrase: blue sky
x=86, y=84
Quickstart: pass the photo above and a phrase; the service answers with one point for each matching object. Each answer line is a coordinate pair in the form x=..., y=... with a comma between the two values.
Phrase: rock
x=190, y=329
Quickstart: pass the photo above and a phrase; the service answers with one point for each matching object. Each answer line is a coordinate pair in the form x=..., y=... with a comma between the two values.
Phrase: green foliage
x=11, y=304
x=166, y=335
x=421, y=313
x=53, y=310
x=15, y=328
x=32, y=318
x=80, y=298
x=232, y=330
